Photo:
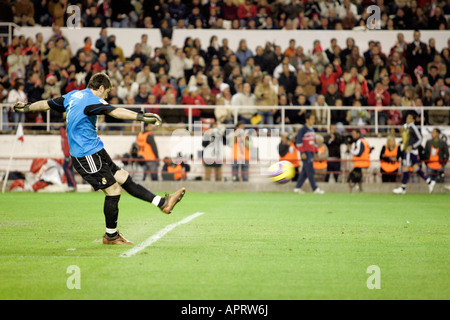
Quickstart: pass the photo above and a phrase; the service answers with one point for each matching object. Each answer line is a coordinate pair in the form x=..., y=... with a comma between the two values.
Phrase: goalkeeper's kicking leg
x=112, y=196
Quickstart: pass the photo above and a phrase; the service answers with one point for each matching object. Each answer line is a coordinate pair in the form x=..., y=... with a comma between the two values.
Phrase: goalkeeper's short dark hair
x=99, y=79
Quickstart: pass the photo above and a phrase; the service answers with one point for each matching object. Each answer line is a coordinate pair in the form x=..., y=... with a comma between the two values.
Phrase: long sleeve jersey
x=306, y=140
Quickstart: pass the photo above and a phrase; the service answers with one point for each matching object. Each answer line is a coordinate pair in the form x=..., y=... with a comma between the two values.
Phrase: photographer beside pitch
x=89, y=157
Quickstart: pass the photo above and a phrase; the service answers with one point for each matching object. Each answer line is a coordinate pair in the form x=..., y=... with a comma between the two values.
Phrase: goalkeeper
x=89, y=157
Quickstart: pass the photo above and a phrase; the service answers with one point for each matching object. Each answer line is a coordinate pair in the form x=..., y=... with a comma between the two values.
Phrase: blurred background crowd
x=411, y=73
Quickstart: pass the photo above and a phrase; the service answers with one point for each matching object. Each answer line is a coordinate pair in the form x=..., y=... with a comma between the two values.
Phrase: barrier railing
x=374, y=126
x=136, y=166
x=10, y=26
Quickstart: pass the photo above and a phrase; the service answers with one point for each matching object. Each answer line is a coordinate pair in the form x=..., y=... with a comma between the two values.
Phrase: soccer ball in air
x=281, y=172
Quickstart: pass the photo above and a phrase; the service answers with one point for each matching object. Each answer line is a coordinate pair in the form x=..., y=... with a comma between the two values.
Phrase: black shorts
x=98, y=169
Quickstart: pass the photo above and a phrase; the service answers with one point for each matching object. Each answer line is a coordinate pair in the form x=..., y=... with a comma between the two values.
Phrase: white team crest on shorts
x=104, y=181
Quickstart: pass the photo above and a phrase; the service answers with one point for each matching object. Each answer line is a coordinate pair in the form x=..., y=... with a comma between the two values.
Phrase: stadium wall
x=127, y=38
x=49, y=146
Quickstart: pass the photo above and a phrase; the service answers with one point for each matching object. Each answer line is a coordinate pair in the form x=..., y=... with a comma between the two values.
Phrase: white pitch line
x=161, y=233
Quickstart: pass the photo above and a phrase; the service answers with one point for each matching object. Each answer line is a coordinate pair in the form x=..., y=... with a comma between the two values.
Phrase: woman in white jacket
x=178, y=63
x=128, y=87
x=17, y=94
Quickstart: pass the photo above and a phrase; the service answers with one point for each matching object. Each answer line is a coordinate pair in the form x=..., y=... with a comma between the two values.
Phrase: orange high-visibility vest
x=319, y=165
x=240, y=151
x=145, y=149
x=433, y=162
x=363, y=161
x=389, y=166
x=177, y=171
x=292, y=156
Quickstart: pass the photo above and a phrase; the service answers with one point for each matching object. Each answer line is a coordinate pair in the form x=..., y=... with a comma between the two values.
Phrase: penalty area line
x=161, y=233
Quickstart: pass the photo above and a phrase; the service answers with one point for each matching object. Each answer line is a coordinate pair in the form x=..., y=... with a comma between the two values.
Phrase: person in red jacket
x=246, y=11
x=397, y=76
x=160, y=89
x=379, y=97
x=192, y=99
x=229, y=10
x=330, y=76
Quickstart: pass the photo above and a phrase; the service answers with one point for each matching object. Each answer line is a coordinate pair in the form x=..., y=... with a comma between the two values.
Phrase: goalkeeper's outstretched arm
x=125, y=114
x=118, y=113
x=41, y=105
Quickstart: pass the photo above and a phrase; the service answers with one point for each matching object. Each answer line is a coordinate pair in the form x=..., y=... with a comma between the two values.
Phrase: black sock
x=138, y=191
x=111, y=211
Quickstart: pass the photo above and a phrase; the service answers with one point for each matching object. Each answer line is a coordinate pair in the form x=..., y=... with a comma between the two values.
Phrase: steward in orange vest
x=147, y=146
x=289, y=152
x=179, y=170
x=321, y=156
x=389, y=160
x=149, y=151
x=436, y=154
x=361, y=159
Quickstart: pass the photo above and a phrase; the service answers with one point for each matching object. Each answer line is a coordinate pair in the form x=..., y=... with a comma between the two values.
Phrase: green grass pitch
x=256, y=246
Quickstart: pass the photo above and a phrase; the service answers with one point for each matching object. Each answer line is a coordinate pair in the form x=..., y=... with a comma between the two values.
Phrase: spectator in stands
x=128, y=87
x=58, y=10
x=247, y=101
x=321, y=114
x=59, y=54
x=229, y=10
x=380, y=97
x=34, y=88
x=246, y=12
x=122, y=14
x=319, y=60
x=350, y=81
x=416, y=53
x=101, y=64
x=16, y=63
x=17, y=94
x=24, y=8
x=52, y=88
x=266, y=96
x=331, y=75
x=288, y=80
x=308, y=79
x=177, y=10
x=193, y=98
x=142, y=96
x=160, y=89
x=243, y=52
x=224, y=114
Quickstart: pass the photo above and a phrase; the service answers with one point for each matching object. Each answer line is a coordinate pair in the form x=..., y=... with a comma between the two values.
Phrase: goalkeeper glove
x=151, y=118
x=21, y=107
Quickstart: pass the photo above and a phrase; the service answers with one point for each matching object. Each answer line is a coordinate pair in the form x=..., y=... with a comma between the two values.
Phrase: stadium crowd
x=411, y=73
